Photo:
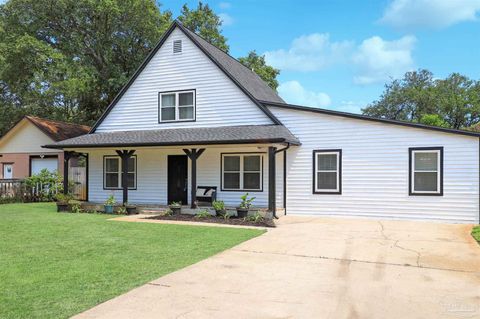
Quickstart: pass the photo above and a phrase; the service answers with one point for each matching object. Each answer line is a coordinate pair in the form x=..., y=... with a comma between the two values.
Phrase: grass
x=55, y=265
x=476, y=233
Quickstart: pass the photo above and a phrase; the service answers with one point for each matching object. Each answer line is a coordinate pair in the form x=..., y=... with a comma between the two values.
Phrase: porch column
x=125, y=155
x=193, y=155
x=271, y=180
x=67, y=155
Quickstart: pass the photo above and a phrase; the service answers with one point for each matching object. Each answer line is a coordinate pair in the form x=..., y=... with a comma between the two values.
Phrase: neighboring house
x=21, y=152
x=192, y=115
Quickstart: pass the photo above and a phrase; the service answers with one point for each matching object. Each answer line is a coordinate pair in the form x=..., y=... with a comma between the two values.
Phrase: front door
x=7, y=171
x=177, y=178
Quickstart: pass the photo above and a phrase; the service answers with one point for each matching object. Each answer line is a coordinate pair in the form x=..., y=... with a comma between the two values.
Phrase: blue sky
x=339, y=54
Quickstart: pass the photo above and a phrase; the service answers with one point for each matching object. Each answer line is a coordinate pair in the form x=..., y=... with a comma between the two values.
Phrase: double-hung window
x=242, y=172
x=176, y=106
x=426, y=169
x=112, y=172
x=327, y=172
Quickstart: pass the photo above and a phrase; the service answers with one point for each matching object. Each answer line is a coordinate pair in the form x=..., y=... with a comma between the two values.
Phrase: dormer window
x=177, y=46
x=176, y=106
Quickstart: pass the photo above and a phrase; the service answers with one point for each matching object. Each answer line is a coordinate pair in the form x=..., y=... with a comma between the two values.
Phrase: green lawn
x=476, y=233
x=54, y=265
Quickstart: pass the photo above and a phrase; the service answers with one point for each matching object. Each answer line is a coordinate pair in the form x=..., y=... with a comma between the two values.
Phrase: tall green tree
x=69, y=58
x=257, y=64
x=418, y=97
x=206, y=23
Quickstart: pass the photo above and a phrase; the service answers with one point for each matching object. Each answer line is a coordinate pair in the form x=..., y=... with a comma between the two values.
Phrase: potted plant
x=130, y=208
x=109, y=204
x=245, y=204
x=63, y=202
x=219, y=207
x=176, y=207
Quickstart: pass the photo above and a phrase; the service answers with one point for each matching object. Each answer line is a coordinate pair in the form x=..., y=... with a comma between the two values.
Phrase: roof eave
x=222, y=142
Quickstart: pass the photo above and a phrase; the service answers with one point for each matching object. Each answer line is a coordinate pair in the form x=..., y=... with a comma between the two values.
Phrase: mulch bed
x=216, y=220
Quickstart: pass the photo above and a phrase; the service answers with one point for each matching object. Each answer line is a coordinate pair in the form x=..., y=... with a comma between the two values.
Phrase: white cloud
x=293, y=92
x=377, y=60
x=434, y=14
x=311, y=52
x=226, y=19
x=225, y=5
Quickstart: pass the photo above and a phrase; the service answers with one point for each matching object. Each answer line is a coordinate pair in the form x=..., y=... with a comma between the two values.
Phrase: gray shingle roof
x=184, y=136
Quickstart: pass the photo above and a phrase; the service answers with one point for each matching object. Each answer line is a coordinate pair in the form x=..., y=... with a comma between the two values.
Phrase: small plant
x=121, y=210
x=176, y=207
x=226, y=216
x=63, y=198
x=110, y=201
x=203, y=214
x=76, y=208
x=256, y=218
x=219, y=207
x=246, y=202
x=167, y=212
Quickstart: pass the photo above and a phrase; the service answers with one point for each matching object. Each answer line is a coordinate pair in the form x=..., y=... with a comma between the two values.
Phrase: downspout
x=284, y=150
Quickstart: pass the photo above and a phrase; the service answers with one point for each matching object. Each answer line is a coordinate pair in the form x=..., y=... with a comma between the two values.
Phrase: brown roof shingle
x=58, y=131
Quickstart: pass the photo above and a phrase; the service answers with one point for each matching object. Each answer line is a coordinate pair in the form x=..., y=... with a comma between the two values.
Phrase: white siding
x=219, y=102
x=375, y=169
x=152, y=175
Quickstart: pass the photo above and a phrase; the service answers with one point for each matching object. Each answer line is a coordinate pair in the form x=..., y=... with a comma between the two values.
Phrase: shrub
x=46, y=185
x=110, y=201
x=256, y=218
x=218, y=205
x=246, y=202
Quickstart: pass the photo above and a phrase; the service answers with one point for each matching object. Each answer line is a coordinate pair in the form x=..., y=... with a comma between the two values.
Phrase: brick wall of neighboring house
x=21, y=163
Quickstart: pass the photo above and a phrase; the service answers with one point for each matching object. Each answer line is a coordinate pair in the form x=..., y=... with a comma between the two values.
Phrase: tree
x=67, y=59
x=257, y=64
x=204, y=22
x=452, y=102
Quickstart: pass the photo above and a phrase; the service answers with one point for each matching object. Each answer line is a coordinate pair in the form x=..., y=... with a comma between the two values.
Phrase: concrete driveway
x=322, y=268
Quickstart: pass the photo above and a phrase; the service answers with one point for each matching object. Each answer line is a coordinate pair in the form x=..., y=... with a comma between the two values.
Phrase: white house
x=193, y=116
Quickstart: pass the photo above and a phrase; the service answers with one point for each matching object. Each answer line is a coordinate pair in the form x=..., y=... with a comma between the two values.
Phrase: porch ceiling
x=247, y=134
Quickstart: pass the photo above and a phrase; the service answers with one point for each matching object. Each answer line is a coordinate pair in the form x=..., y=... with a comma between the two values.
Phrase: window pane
x=168, y=114
x=251, y=180
x=111, y=165
x=425, y=182
x=231, y=163
x=131, y=180
x=327, y=162
x=186, y=113
x=131, y=164
x=327, y=180
x=251, y=163
x=185, y=99
x=168, y=100
x=426, y=161
x=231, y=180
x=111, y=180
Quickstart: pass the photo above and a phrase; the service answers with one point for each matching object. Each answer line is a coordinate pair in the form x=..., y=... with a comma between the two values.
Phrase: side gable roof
x=248, y=81
x=58, y=131
x=370, y=118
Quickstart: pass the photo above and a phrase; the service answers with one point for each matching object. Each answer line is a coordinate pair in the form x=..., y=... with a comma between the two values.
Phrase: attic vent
x=177, y=46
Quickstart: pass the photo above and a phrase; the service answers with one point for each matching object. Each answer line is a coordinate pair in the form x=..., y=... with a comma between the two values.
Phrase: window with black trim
x=176, y=106
x=242, y=172
x=112, y=172
x=327, y=172
x=426, y=171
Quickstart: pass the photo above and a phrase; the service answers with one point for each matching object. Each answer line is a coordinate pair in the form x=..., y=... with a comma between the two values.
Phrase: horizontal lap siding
x=219, y=102
x=152, y=175
x=375, y=169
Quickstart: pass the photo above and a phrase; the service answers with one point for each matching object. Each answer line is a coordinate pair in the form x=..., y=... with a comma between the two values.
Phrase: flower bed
x=216, y=220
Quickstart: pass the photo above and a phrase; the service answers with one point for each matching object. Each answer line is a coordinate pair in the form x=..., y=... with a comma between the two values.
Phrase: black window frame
x=440, y=170
x=314, y=172
x=262, y=172
x=120, y=173
x=176, y=92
